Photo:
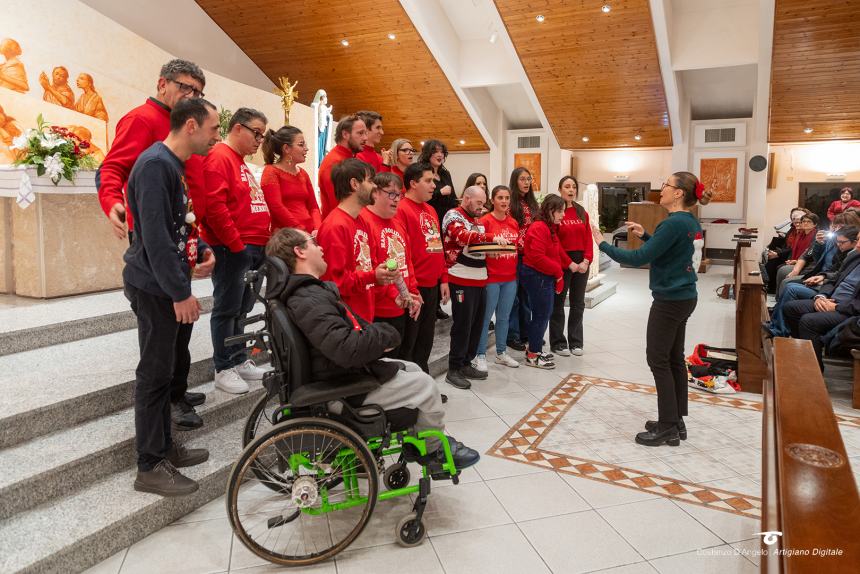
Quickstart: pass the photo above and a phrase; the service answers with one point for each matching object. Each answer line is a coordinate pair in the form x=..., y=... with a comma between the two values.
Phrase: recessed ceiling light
x=585, y=138
x=540, y=18
x=392, y=37
x=808, y=130
x=462, y=142
x=344, y=42
x=493, y=38
x=638, y=137
x=606, y=8
x=422, y=143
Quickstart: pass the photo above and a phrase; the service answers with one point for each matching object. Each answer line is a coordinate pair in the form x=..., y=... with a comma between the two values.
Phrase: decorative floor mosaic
x=585, y=427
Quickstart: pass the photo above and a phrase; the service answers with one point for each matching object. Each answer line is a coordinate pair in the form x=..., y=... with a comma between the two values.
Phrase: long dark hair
x=551, y=204
x=472, y=180
x=274, y=142
x=429, y=148
x=516, y=207
x=580, y=211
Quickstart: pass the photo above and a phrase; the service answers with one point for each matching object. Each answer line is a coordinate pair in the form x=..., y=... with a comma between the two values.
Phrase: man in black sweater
x=344, y=346
x=157, y=277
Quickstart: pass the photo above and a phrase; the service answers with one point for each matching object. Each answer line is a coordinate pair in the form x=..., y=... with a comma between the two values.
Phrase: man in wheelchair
x=343, y=346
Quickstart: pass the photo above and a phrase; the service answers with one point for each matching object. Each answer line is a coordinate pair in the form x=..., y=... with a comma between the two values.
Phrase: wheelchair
x=307, y=481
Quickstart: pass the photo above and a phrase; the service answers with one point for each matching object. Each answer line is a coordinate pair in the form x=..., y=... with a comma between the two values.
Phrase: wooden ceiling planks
x=595, y=74
x=399, y=78
x=815, y=75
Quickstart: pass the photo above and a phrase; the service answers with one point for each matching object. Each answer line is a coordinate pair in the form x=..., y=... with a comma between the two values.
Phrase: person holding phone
x=672, y=281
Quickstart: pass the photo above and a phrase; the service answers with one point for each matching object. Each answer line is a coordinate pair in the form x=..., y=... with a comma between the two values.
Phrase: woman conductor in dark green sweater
x=672, y=280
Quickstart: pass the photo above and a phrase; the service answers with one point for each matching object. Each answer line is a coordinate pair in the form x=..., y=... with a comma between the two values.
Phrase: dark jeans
x=398, y=323
x=664, y=350
x=574, y=283
x=541, y=293
x=232, y=301
x=805, y=322
x=521, y=312
x=790, y=292
x=159, y=335
x=468, y=305
x=418, y=335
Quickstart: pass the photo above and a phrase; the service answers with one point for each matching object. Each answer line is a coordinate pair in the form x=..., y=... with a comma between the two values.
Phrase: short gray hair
x=472, y=190
x=176, y=67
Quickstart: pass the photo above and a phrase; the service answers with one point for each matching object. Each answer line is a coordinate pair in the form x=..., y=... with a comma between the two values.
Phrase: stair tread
x=46, y=530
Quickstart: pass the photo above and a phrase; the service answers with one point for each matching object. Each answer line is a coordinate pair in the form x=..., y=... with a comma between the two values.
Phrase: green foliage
x=224, y=116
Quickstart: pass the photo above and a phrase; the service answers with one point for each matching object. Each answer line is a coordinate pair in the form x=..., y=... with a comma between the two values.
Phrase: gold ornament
x=288, y=95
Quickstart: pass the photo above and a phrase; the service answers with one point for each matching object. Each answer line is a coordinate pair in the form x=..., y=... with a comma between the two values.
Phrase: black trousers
x=418, y=334
x=807, y=323
x=158, y=333
x=664, y=351
x=179, y=382
x=468, y=305
x=574, y=283
x=398, y=323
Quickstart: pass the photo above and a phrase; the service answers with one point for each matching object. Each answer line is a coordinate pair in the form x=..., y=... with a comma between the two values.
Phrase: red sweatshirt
x=528, y=218
x=328, y=202
x=236, y=210
x=574, y=234
x=388, y=241
x=396, y=171
x=459, y=231
x=346, y=246
x=422, y=229
x=290, y=198
x=543, y=251
x=371, y=156
x=503, y=267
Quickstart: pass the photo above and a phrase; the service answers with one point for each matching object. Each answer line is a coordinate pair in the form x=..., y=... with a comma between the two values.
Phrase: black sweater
x=443, y=203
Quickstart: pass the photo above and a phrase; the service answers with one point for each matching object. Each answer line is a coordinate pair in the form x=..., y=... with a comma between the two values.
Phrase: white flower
x=20, y=142
x=51, y=140
x=54, y=166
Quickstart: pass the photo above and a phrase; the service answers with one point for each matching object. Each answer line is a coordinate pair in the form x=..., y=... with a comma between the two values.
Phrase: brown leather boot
x=164, y=480
x=180, y=457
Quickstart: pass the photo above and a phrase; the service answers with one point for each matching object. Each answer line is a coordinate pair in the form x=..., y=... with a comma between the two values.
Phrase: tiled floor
x=508, y=516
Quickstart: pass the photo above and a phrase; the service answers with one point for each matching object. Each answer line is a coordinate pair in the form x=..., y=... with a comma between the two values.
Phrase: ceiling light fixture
x=540, y=18
x=493, y=38
x=392, y=37
x=462, y=142
x=606, y=8
x=808, y=130
x=422, y=144
x=344, y=42
x=638, y=137
x=585, y=138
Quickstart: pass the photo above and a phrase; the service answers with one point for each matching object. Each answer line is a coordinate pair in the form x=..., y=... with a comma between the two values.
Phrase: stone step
x=72, y=533
x=56, y=465
x=27, y=324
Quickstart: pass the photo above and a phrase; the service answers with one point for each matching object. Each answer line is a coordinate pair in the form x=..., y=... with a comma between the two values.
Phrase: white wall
x=708, y=34
x=463, y=164
x=653, y=165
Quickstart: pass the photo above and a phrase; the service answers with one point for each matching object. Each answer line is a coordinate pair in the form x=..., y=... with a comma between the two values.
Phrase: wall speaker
x=758, y=163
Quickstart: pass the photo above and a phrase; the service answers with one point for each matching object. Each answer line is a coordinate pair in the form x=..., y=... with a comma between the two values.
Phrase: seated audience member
x=845, y=242
x=344, y=347
x=836, y=301
x=287, y=187
x=779, y=249
x=846, y=201
x=806, y=234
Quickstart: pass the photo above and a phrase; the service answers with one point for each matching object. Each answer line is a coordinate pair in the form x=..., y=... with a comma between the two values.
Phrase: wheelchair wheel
x=396, y=476
x=260, y=420
x=410, y=531
x=302, y=492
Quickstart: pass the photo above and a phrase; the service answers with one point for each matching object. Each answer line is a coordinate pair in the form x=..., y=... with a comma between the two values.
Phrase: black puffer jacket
x=340, y=349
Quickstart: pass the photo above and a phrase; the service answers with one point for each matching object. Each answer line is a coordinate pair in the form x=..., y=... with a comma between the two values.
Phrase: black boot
x=656, y=438
x=651, y=426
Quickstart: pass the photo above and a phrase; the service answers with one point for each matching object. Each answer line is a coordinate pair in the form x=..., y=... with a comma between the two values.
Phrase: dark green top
x=670, y=253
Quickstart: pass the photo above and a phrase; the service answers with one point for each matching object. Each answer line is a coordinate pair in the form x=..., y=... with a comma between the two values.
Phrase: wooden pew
x=750, y=311
x=808, y=490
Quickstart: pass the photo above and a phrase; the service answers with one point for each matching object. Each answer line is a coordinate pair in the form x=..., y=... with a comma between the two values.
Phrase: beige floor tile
x=655, y=466
x=658, y=528
x=479, y=434
x=110, y=565
x=699, y=467
x=492, y=467
x=196, y=547
x=591, y=430
x=620, y=449
x=327, y=567
x=638, y=568
x=719, y=560
x=580, y=542
x=466, y=507
x=739, y=484
x=461, y=408
x=209, y=511
x=511, y=404
x=742, y=460
x=600, y=494
x=500, y=550
x=751, y=549
x=729, y=527
x=421, y=559
x=536, y=496
x=379, y=530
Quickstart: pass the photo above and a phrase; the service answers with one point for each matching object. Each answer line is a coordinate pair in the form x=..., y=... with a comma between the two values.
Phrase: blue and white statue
x=324, y=122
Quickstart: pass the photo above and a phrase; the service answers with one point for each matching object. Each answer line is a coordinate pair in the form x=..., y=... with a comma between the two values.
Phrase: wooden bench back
x=750, y=311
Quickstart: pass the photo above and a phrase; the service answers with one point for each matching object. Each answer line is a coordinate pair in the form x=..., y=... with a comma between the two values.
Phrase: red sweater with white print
x=328, y=201
x=574, y=233
x=543, y=251
x=425, y=241
x=368, y=154
x=502, y=268
x=388, y=241
x=461, y=230
x=346, y=247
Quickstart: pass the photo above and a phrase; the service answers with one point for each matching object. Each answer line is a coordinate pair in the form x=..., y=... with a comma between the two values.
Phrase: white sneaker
x=250, y=371
x=229, y=381
x=577, y=351
x=480, y=363
x=540, y=361
x=561, y=352
x=506, y=360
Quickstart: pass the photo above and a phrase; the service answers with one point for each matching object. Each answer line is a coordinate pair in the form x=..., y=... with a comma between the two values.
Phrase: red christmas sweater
x=575, y=233
x=388, y=241
x=528, y=218
x=461, y=230
x=425, y=241
x=369, y=155
x=236, y=210
x=543, y=252
x=328, y=202
x=290, y=198
x=346, y=245
x=503, y=267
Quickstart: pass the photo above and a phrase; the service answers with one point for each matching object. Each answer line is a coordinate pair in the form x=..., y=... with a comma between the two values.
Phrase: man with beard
x=345, y=238
x=350, y=136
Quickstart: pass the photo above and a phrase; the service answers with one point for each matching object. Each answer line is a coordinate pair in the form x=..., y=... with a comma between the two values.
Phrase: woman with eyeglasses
x=287, y=187
x=672, y=280
x=444, y=198
x=402, y=154
x=524, y=209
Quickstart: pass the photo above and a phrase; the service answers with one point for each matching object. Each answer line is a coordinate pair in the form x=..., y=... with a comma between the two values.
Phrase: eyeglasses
x=392, y=195
x=258, y=135
x=667, y=184
x=525, y=179
x=311, y=240
x=188, y=89
x=408, y=150
x=843, y=241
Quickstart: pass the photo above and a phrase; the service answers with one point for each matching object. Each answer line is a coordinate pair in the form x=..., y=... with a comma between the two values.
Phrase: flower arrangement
x=52, y=150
